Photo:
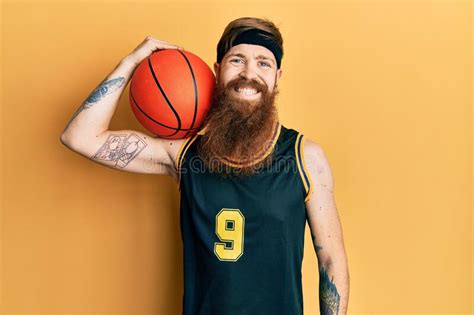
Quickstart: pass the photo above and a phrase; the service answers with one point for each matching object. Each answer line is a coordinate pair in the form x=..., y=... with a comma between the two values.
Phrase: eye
x=266, y=64
x=236, y=59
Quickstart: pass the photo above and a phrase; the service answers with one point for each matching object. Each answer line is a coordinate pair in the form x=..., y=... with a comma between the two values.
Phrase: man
x=247, y=183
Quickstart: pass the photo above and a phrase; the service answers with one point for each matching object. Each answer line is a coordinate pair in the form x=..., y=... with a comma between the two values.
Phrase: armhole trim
x=181, y=153
x=302, y=167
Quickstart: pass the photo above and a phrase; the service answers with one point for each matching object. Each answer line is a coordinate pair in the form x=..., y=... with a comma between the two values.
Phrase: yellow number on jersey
x=230, y=229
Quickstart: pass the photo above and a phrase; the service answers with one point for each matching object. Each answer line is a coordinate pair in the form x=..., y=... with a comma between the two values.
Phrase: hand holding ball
x=171, y=93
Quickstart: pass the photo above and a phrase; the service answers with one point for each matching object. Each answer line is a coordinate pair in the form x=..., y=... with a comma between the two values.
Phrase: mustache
x=244, y=83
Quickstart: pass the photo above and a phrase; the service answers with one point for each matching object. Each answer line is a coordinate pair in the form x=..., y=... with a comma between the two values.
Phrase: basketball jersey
x=243, y=237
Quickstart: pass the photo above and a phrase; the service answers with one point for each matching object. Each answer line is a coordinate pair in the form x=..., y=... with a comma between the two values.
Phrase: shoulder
x=317, y=164
x=309, y=148
x=315, y=155
x=313, y=150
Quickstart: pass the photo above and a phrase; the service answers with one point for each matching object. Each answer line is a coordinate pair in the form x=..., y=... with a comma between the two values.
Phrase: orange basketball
x=171, y=93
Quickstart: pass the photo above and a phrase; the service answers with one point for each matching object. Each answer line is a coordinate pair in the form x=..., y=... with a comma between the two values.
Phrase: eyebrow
x=259, y=57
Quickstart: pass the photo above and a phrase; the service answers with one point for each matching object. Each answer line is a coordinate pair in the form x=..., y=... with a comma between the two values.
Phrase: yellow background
x=384, y=86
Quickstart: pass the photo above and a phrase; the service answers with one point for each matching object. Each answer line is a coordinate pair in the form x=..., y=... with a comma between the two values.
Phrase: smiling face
x=248, y=71
x=243, y=116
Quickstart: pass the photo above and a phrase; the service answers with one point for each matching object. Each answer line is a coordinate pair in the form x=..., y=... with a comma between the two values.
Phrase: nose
x=249, y=72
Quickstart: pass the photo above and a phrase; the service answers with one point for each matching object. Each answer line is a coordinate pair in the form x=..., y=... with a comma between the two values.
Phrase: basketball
x=171, y=93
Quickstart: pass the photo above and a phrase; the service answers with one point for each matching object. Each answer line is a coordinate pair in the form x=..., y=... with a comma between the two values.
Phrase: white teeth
x=247, y=91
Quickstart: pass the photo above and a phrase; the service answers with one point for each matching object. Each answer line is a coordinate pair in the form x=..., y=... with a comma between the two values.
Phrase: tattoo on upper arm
x=104, y=88
x=119, y=149
x=328, y=296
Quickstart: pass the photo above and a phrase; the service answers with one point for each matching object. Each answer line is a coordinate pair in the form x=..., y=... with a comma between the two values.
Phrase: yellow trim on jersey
x=182, y=152
x=300, y=161
x=270, y=150
x=202, y=131
x=306, y=171
x=178, y=156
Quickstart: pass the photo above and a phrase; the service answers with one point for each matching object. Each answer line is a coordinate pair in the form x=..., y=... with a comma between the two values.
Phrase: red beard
x=239, y=132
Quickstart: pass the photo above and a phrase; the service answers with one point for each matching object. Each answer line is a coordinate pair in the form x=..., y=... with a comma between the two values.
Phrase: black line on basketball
x=153, y=119
x=135, y=103
x=163, y=93
x=195, y=91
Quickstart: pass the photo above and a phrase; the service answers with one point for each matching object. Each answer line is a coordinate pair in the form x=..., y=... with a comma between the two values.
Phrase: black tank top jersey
x=243, y=237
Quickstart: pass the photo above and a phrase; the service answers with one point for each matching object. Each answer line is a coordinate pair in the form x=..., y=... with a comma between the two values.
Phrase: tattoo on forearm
x=104, y=88
x=318, y=248
x=119, y=149
x=328, y=296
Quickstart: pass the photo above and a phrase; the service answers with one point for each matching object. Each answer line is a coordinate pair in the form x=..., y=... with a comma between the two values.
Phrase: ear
x=278, y=76
x=216, y=69
x=279, y=73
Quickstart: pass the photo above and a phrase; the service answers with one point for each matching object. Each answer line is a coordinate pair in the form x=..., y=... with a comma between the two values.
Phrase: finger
x=172, y=47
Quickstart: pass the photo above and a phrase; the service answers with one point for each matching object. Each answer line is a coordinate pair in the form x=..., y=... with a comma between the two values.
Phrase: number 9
x=229, y=228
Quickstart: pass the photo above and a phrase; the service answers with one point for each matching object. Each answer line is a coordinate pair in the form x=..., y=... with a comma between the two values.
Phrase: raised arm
x=326, y=231
x=88, y=134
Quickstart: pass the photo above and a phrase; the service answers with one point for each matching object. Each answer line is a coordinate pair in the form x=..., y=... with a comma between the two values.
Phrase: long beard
x=239, y=131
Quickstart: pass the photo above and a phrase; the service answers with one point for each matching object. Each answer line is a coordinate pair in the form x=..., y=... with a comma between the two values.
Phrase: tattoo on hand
x=119, y=149
x=104, y=88
x=328, y=296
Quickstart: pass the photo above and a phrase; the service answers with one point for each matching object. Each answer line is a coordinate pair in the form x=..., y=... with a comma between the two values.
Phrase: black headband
x=255, y=37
